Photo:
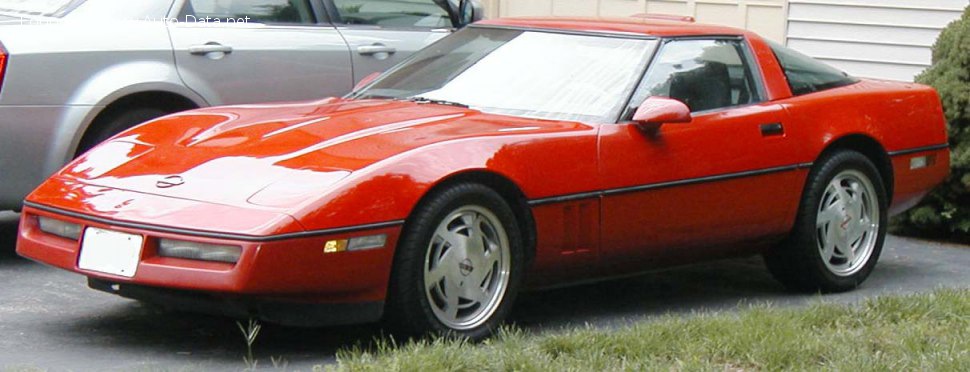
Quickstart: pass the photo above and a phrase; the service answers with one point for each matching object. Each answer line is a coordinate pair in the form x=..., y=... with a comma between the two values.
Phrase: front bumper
x=289, y=281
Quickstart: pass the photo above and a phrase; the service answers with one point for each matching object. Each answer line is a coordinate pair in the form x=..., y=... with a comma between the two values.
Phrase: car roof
x=643, y=25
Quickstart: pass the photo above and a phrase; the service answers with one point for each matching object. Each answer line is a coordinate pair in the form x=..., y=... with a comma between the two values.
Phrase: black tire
x=410, y=307
x=799, y=261
x=115, y=122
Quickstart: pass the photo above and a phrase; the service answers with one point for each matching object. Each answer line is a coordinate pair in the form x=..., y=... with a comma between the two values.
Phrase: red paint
x=631, y=25
x=263, y=170
x=366, y=80
x=3, y=64
x=661, y=110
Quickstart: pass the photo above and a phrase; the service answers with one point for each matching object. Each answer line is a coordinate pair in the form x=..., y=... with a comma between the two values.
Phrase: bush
x=945, y=213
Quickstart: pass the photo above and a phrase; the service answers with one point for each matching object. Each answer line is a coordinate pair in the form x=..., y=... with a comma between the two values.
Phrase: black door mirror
x=469, y=11
x=463, y=12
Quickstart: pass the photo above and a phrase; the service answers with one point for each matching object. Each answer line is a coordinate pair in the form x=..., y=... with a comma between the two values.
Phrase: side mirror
x=656, y=111
x=469, y=11
x=366, y=81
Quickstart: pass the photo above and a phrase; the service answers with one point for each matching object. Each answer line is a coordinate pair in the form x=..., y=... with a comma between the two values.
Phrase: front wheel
x=459, y=264
x=840, y=228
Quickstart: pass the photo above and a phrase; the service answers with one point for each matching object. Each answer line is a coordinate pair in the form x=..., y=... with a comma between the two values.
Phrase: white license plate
x=110, y=252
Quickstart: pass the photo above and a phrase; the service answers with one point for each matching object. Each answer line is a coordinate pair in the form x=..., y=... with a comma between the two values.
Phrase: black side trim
x=566, y=198
x=918, y=149
x=212, y=234
x=663, y=185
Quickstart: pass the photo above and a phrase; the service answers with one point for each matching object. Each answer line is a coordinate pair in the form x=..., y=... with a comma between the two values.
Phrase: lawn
x=922, y=332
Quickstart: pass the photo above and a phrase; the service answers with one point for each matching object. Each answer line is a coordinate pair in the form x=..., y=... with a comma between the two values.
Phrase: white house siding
x=888, y=39
x=766, y=17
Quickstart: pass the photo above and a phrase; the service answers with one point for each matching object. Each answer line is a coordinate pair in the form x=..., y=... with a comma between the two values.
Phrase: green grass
x=924, y=332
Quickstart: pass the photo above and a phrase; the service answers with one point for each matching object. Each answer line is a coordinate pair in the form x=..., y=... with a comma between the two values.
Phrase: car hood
x=278, y=156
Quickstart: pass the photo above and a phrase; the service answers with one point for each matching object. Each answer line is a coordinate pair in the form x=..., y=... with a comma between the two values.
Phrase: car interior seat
x=703, y=88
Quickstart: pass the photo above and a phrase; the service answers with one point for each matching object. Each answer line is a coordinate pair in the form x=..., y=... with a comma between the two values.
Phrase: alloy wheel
x=847, y=223
x=467, y=267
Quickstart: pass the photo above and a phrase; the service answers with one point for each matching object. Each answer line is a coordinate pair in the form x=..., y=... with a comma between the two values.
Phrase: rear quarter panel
x=82, y=63
x=906, y=119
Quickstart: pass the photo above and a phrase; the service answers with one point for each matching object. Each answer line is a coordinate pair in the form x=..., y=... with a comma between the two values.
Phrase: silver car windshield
x=537, y=74
x=88, y=9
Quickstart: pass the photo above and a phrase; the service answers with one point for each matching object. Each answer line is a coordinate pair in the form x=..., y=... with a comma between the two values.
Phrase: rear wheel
x=115, y=122
x=458, y=266
x=839, y=230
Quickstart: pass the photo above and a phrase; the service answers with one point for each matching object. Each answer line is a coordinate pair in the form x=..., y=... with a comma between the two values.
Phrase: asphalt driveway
x=49, y=319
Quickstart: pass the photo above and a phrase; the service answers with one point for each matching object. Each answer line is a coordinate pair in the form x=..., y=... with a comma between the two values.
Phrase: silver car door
x=244, y=51
x=381, y=33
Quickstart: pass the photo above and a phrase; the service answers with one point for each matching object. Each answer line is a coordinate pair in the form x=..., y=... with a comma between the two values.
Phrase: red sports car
x=516, y=153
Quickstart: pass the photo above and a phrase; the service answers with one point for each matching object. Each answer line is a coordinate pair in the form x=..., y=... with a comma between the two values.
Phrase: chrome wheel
x=847, y=222
x=466, y=269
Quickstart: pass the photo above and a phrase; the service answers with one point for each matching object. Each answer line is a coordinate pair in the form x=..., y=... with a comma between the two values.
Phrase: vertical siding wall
x=766, y=17
x=888, y=39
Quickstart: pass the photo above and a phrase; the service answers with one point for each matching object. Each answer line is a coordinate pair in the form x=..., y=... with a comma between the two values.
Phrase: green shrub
x=945, y=212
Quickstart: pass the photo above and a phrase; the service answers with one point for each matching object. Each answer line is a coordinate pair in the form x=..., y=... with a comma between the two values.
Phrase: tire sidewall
x=116, y=123
x=831, y=167
x=407, y=282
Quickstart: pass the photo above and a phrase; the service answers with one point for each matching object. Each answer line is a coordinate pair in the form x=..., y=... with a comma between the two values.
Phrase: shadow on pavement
x=124, y=326
x=709, y=286
x=8, y=237
x=141, y=329
x=123, y=329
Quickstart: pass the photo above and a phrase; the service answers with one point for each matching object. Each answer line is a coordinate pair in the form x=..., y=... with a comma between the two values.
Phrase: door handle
x=772, y=129
x=209, y=48
x=368, y=50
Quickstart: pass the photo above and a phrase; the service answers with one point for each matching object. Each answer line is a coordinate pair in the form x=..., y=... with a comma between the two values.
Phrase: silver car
x=75, y=72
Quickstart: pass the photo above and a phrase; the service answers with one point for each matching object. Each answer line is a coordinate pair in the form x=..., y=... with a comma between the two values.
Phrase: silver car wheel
x=847, y=223
x=467, y=266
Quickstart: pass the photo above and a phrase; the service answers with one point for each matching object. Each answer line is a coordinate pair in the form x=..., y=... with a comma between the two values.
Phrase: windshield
x=535, y=74
x=88, y=9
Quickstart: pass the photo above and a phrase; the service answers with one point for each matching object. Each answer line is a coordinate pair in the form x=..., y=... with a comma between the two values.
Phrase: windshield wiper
x=420, y=99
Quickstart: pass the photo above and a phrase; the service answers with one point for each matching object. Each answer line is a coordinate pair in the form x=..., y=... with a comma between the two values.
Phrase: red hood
x=228, y=155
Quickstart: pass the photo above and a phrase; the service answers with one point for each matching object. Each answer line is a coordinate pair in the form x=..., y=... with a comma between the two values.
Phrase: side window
x=393, y=13
x=806, y=75
x=704, y=74
x=244, y=11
